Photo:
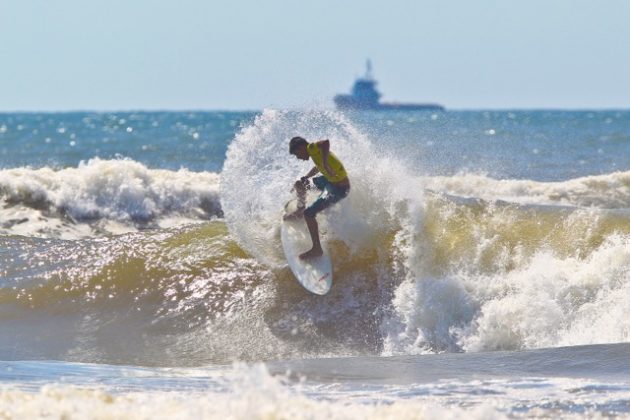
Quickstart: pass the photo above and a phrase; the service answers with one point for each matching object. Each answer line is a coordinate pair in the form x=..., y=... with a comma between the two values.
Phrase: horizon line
x=245, y=110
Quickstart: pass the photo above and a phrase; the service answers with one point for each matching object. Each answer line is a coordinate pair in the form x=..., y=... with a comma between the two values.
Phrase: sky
x=61, y=55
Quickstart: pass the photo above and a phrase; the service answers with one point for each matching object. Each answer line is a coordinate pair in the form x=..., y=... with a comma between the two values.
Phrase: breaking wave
x=422, y=264
x=103, y=196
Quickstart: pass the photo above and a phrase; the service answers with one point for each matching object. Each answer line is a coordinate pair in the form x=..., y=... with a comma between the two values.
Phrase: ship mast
x=368, y=69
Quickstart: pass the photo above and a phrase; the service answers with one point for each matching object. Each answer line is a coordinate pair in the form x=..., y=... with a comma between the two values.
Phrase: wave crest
x=121, y=194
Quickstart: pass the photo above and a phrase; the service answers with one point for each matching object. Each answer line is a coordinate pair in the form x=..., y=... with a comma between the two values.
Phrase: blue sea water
x=167, y=140
x=482, y=266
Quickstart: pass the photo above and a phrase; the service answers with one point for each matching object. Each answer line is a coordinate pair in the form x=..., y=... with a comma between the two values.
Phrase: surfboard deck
x=315, y=274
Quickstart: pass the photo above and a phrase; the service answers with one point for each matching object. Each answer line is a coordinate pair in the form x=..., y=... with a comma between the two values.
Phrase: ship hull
x=345, y=102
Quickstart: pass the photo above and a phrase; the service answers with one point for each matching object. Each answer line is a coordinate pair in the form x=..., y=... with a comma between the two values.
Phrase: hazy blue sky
x=203, y=54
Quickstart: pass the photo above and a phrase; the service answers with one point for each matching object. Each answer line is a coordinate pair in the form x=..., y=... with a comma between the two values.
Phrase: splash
x=259, y=172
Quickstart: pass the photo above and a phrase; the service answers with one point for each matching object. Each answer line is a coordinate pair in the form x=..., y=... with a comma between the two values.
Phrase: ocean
x=481, y=266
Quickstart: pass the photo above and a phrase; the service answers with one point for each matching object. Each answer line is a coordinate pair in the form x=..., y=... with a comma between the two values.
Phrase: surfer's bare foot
x=313, y=253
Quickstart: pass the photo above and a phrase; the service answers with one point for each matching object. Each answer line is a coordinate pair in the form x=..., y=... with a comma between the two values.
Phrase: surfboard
x=315, y=274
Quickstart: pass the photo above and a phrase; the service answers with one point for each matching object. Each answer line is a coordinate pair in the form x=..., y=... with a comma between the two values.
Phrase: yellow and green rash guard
x=316, y=154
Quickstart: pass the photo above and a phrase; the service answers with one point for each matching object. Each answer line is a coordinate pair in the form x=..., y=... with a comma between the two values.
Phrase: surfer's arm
x=303, y=182
x=310, y=173
x=324, y=146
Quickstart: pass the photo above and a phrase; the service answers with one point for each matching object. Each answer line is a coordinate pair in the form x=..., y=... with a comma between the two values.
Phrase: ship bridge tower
x=364, y=89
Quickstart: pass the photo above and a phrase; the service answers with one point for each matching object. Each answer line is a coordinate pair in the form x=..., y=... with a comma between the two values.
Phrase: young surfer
x=333, y=182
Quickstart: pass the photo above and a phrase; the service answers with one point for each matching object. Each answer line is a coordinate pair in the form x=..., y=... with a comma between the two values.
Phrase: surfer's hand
x=300, y=184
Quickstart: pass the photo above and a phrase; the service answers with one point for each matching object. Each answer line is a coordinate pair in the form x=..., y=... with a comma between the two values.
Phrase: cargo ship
x=364, y=96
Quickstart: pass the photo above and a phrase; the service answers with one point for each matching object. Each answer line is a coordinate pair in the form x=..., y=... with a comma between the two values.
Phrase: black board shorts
x=331, y=194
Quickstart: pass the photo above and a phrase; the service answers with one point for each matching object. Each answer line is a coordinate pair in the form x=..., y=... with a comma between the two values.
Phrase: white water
x=103, y=196
x=250, y=392
x=493, y=290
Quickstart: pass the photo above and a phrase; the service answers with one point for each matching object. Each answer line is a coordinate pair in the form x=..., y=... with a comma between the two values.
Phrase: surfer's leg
x=331, y=195
x=313, y=229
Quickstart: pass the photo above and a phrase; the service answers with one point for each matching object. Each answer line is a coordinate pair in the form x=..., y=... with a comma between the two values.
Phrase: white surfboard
x=315, y=274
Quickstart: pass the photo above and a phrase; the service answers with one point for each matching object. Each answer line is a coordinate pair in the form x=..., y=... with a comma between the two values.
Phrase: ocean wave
x=608, y=191
x=244, y=393
x=540, y=383
x=103, y=195
x=415, y=271
x=466, y=278
x=180, y=296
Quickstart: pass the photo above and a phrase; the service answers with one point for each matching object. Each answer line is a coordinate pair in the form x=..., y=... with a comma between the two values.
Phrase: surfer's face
x=301, y=153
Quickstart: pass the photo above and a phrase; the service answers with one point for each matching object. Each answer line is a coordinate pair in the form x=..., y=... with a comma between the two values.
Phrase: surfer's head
x=297, y=147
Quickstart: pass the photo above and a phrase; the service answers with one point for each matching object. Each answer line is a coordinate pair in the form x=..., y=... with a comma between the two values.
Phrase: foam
x=610, y=191
x=250, y=393
x=53, y=202
x=67, y=402
x=542, y=299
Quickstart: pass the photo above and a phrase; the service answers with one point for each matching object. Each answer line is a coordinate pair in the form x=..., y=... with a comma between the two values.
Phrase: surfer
x=333, y=182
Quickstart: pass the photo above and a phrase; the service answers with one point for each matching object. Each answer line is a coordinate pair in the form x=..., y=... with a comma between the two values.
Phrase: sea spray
x=259, y=173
